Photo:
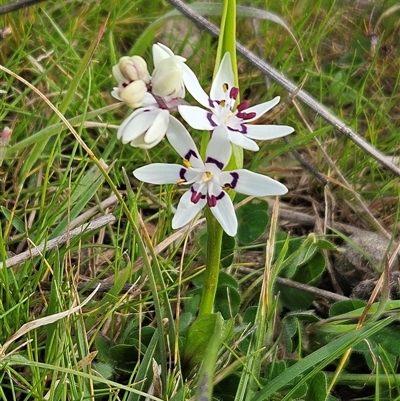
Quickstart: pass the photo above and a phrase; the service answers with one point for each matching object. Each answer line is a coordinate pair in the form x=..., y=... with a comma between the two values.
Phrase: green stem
x=214, y=243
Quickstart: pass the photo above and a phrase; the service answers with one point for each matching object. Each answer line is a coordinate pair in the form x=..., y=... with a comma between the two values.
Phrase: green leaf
x=198, y=339
x=253, y=220
x=316, y=361
x=105, y=369
x=317, y=388
x=16, y=222
x=338, y=308
x=200, y=342
x=145, y=369
x=205, y=379
x=309, y=273
x=227, y=250
x=227, y=301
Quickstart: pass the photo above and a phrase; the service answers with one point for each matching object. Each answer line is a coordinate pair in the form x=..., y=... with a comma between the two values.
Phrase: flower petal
x=219, y=149
x=158, y=128
x=114, y=93
x=249, y=183
x=242, y=140
x=266, y=132
x=135, y=125
x=183, y=143
x=224, y=212
x=161, y=52
x=158, y=173
x=186, y=210
x=224, y=76
x=196, y=117
x=193, y=86
x=262, y=108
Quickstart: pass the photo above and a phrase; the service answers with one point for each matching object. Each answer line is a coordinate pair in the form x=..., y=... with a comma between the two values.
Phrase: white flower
x=145, y=127
x=166, y=80
x=208, y=182
x=149, y=123
x=222, y=116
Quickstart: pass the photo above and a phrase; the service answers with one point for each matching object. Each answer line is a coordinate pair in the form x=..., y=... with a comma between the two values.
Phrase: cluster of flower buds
x=153, y=96
x=133, y=78
x=156, y=96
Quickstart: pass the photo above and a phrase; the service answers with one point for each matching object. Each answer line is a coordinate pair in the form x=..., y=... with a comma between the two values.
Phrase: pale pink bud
x=131, y=69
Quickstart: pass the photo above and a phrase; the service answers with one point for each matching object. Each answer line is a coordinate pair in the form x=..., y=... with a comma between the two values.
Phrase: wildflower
x=223, y=118
x=145, y=127
x=208, y=182
x=167, y=78
x=154, y=98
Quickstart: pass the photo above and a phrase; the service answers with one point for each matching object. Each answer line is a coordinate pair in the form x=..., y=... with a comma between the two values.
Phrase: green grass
x=48, y=180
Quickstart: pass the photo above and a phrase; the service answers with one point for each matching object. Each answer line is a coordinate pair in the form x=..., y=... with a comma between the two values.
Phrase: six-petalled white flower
x=208, y=182
x=223, y=118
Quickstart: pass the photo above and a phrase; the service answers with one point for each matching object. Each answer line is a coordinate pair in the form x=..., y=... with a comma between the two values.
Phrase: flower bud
x=133, y=94
x=131, y=69
x=167, y=78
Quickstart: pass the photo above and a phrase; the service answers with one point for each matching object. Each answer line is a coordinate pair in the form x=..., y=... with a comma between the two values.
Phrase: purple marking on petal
x=190, y=154
x=233, y=183
x=209, y=118
x=215, y=161
x=196, y=196
x=211, y=103
x=234, y=92
x=241, y=130
x=212, y=199
x=182, y=173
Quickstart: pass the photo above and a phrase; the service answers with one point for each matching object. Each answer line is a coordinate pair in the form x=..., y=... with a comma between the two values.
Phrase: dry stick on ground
x=56, y=242
x=278, y=77
x=17, y=5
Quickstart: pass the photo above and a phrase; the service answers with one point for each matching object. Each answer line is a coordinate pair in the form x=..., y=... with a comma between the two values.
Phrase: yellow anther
x=225, y=87
x=186, y=163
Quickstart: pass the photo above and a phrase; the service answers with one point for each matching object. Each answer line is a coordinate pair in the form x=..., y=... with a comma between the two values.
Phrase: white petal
x=266, y=132
x=114, y=94
x=158, y=173
x=161, y=52
x=196, y=117
x=224, y=212
x=250, y=183
x=139, y=142
x=149, y=100
x=135, y=125
x=262, y=108
x=186, y=210
x=224, y=76
x=219, y=149
x=158, y=128
x=242, y=140
x=193, y=86
x=182, y=142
